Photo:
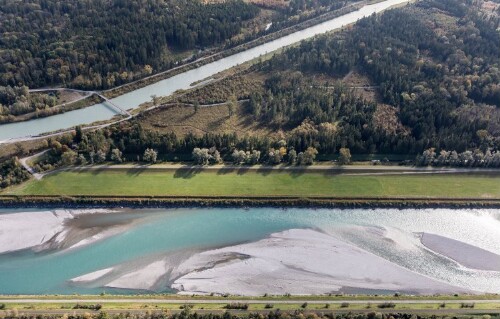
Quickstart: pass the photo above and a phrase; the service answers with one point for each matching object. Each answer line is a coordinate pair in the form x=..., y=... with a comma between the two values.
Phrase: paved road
x=24, y=163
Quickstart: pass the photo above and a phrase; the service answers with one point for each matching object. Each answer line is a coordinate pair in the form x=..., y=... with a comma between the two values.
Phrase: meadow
x=244, y=182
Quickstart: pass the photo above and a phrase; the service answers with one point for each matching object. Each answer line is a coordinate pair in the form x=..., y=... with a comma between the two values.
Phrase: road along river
x=249, y=251
x=133, y=99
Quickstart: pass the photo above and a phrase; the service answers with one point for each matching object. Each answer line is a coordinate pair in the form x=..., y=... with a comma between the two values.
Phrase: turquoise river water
x=163, y=231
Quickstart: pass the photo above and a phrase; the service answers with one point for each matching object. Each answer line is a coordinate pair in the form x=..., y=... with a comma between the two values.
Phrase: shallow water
x=389, y=233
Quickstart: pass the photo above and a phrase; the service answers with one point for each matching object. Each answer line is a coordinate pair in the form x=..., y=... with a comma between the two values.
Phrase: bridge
x=87, y=93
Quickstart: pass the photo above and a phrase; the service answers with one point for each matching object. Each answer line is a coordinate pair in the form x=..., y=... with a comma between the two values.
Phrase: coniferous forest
x=98, y=44
x=436, y=64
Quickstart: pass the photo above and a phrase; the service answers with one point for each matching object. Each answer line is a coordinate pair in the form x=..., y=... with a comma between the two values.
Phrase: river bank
x=83, y=202
x=81, y=103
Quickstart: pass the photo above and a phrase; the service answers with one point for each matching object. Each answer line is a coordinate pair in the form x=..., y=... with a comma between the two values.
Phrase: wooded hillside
x=99, y=44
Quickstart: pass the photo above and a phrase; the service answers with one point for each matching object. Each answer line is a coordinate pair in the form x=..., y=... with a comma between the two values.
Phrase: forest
x=440, y=88
x=435, y=68
x=100, y=44
x=436, y=63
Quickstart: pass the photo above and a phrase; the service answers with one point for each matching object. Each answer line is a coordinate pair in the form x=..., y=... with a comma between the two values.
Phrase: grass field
x=243, y=183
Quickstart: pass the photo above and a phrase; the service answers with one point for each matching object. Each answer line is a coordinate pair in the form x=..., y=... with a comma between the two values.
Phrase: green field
x=259, y=183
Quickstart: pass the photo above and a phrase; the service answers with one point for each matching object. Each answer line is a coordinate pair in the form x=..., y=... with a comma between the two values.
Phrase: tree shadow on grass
x=243, y=170
x=186, y=117
x=187, y=172
x=297, y=171
x=335, y=170
x=265, y=170
x=214, y=125
x=229, y=169
x=94, y=170
x=137, y=170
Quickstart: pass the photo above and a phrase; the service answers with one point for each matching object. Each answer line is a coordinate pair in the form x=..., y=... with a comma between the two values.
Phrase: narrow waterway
x=101, y=112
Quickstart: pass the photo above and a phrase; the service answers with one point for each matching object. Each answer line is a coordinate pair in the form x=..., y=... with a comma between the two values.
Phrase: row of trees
x=275, y=156
x=61, y=155
x=99, y=44
x=475, y=158
x=129, y=142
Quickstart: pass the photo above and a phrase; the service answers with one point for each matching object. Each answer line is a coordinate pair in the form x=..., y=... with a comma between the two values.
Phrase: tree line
x=475, y=158
x=130, y=142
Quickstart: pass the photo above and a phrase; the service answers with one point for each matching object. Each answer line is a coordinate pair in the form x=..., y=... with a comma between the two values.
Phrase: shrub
x=344, y=305
x=150, y=155
x=2, y=306
x=237, y=306
x=269, y=306
x=304, y=305
x=386, y=305
x=95, y=307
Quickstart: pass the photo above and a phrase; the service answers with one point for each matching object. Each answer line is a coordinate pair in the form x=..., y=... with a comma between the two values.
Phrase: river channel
x=249, y=251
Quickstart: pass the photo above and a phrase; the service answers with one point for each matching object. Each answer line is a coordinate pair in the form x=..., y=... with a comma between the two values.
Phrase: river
x=133, y=99
x=249, y=251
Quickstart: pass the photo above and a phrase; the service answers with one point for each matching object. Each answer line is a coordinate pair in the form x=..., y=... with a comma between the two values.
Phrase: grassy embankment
x=247, y=183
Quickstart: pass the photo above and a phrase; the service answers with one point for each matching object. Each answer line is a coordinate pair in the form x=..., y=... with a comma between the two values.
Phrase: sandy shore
x=297, y=261
x=57, y=229
x=92, y=276
x=18, y=232
x=142, y=279
x=300, y=261
x=465, y=254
